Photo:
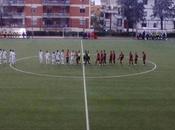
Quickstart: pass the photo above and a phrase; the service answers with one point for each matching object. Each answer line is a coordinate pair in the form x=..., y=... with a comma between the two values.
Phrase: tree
x=163, y=9
x=98, y=23
x=133, y=11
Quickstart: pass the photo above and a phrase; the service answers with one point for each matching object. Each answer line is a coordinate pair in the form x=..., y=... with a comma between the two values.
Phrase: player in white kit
x=10, y=57
x=41, y=57
x=0, y=56
x=47, y=57
x=13, y=56
x=62, y=57
x=4, y=56
x=57, y=57
x=53, y=58
x=72, y=57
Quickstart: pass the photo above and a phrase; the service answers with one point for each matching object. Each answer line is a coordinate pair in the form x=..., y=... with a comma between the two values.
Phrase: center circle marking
x=80, y=77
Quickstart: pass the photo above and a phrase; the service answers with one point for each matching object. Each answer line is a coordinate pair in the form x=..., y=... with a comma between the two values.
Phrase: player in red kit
x=67, y=56
x=104, y=57
x=110, y=57
x=136, y=58
x=101, y=58
x=121, y=57
x=97, y=58
x=78, y=55
x=131, y=61
x=113, y=57
x=144, y=57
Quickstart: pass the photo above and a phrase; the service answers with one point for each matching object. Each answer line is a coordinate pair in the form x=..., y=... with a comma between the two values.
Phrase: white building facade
x=112, y=15
x=114, y=20
x=152, y=23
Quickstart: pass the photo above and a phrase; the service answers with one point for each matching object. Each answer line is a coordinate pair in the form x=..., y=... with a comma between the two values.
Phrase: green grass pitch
x=142, y=102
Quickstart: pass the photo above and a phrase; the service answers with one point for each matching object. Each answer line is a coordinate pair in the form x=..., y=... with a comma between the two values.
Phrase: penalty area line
x=85, y=89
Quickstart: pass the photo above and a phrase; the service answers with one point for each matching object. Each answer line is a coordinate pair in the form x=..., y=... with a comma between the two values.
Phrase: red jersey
x=98, y=56
x=136, y=57
x=144, y=56
x=110, y=57
x=101, y=57
x=113, y=56
x=104, y=56
x=131, y=57
x=67, y=54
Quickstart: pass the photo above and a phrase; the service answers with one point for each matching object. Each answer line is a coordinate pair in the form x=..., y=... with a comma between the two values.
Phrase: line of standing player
x=60, y=57
x=101, y=57
x=7, y=57
x=73, y=57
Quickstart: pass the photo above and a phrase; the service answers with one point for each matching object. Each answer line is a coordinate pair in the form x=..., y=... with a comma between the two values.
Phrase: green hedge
x=171, y=35
x=52, y=33
x=116, y=34
x=101, y=34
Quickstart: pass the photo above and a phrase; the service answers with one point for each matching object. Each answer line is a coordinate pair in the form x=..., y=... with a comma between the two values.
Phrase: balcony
x=55, y=26
x=13, y=2
x=13, y=15
x=56, y=15
x=56, y=2
x=14, y=25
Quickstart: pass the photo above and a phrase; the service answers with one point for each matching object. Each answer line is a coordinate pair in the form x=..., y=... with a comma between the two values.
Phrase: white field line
x=80, y=77
x=85, y=90
x=126, y=75
x=41, y=75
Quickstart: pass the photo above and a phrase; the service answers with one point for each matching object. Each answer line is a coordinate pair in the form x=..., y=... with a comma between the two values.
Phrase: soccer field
x=119, y=97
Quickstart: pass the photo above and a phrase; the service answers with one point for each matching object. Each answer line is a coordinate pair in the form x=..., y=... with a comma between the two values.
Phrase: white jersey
x=72, y=57
x=10, y=57
x=4, y=56
x=13, y=55
x=41, y=56
x=62, y=57
x=79, y=54
x=47, y=57
x=58, y=57
x=53, y=58
x=0, y=57
x=1, y=54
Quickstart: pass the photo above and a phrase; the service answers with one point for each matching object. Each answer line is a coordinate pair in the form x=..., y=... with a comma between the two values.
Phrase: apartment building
x=112, y=15
x=48, y=15
x=114, y=20
x=152, y=23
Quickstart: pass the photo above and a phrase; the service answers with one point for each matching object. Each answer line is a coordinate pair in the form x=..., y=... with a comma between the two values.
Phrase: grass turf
x=28, y=102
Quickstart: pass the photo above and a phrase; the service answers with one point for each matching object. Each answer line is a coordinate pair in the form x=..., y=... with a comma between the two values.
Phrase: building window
x=119, y=22
x=155, y=25
x=145, y=13
x=119, y=2
x=145, y=2
x=144, y=25
x=119, y=11
x=49, y=10
x=82, y=9
x=107, y=15
x=34, y=21
x=33, y=9
x=155, y=1
x=19, y=10
x=82, y=21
